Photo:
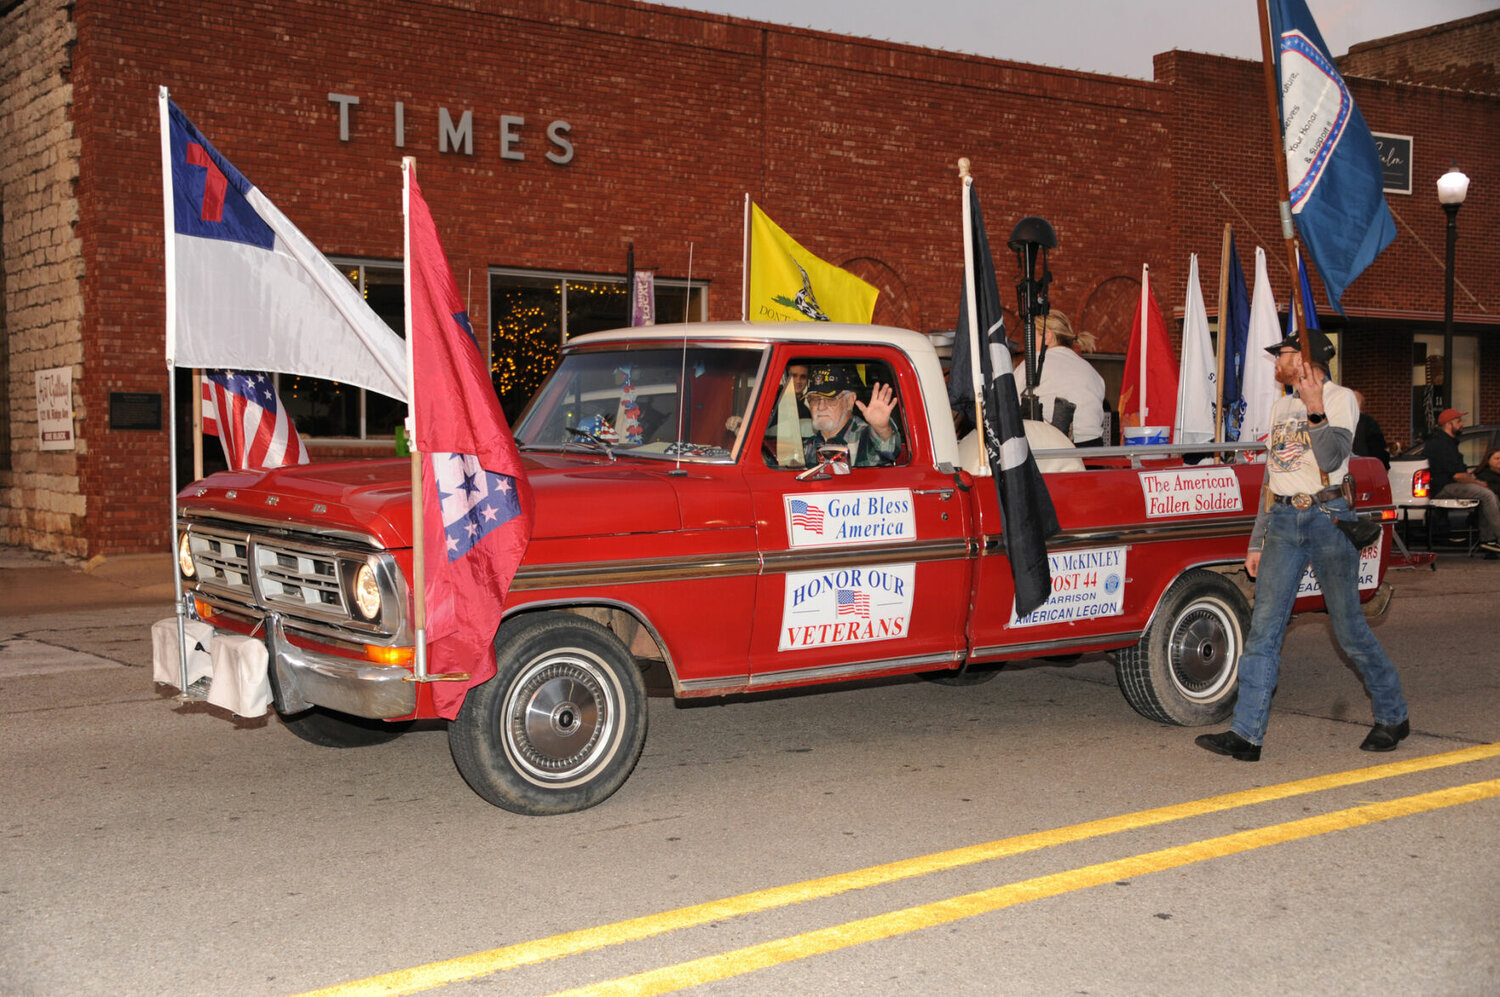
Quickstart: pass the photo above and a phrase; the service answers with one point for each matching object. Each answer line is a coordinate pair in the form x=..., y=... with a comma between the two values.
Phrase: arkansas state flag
x=1149, y=361
x=476, y=502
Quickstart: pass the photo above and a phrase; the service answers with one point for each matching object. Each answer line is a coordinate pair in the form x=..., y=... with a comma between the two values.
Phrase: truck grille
x=305, y=579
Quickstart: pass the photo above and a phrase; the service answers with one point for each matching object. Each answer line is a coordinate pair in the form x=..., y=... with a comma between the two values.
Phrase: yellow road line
x=418, y=978
x=841, y=936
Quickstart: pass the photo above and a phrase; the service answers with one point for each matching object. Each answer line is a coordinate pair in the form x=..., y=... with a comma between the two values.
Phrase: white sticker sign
x=847, y=606
x=1191, y=491
x=54, y=408
x=1086, y=584
x=1369, y=571
x=828, y=519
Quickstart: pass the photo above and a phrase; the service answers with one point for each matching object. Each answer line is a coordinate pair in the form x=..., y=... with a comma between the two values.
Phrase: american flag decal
x=853, y=603
x=809, y=517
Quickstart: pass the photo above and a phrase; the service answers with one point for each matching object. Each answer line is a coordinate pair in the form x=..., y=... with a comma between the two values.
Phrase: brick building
x=553, y=137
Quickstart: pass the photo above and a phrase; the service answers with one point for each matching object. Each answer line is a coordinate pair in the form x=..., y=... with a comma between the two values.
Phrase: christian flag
x=1332, y=164
x=1027, y=517
x=476, y=502
x=246, y=290
x=787, y=283
x=242, y=409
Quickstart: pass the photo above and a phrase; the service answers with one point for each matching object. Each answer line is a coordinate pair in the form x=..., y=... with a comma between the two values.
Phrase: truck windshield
x=632, y=400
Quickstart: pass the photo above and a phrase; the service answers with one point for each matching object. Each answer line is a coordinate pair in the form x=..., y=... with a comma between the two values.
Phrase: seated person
x=872, y=436
x=1067, y=377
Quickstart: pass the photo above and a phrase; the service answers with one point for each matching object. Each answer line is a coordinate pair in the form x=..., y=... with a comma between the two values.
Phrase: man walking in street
x=1451, y=478
x=1307, y=459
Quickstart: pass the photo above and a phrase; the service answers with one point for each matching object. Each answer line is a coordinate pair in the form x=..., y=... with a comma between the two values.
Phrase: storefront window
x=533, y=313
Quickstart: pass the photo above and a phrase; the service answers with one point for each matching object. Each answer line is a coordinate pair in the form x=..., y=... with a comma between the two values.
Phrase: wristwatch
x=1316, y=417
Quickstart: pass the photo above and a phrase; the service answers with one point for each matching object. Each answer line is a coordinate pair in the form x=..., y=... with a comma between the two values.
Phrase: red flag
x=242, y=409
x=1160, y=368
x=476, y=502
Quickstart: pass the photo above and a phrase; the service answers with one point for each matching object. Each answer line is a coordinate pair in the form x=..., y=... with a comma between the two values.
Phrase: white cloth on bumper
x=241, y=683
x=165, y=659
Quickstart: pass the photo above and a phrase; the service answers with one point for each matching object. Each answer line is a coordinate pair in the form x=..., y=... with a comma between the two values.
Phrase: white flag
x=1195, y=378
x=246, y=290
x=1260, y=388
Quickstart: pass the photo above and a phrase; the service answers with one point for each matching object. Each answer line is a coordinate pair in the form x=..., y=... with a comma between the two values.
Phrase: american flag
x=852, y=602
x=809, y=517
x=242, y=410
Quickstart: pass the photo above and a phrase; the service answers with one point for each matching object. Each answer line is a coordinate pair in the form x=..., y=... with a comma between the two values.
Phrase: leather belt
x=1302, y=500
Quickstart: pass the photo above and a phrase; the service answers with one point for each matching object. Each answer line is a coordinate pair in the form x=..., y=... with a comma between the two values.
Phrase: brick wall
x=1458, y=55
x=849, y=144
x=42, y=503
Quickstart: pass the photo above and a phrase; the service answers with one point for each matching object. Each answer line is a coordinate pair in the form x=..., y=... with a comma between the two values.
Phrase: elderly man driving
x=872, y=436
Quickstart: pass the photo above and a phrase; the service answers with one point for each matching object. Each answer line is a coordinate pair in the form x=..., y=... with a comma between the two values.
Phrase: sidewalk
x=33, y=582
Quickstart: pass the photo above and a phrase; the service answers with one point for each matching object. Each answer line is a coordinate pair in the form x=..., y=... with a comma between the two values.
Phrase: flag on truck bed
x=789, y=284
x=1332, y=165
x=1027, y=517
x=246, y=290
x=476, y=502
x=242, y=409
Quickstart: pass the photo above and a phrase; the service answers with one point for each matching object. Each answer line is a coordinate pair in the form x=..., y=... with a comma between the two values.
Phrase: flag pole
x=745, y=266
x=169, y=264
x=1288, y=231
x=971, y=300
x=1223, y=335
x=197, y=424
x=418, y=528
x=1145, y=335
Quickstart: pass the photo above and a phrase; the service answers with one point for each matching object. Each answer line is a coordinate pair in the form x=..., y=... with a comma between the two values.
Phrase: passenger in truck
x=872, y=435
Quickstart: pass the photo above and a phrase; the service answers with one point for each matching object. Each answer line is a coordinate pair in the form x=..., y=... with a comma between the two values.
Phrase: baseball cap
x=1318, y=345
x=1449, y=413
x=827, y=382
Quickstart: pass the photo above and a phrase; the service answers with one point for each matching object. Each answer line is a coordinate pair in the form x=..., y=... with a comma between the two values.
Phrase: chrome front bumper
x=302, y=679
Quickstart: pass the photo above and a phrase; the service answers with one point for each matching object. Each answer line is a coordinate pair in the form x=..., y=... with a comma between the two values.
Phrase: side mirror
x=833, y=458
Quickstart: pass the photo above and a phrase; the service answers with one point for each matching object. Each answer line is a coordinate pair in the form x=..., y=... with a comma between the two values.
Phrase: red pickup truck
x=685, y=520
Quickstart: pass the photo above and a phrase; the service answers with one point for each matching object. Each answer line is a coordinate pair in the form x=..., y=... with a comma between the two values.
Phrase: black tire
x=1185, y=668
x=331, y=729
x=562, y=723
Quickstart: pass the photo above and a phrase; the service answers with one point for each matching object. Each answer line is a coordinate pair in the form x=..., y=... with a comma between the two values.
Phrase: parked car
x=1410, y=479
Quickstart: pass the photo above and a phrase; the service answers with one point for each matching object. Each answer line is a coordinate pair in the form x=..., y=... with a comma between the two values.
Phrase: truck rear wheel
x=1185, y=668
x=562, y=723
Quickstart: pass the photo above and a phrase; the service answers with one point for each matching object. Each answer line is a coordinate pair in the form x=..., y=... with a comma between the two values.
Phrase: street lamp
x=1452, y=187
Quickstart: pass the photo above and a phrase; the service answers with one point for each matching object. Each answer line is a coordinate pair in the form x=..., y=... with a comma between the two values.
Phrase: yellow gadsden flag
x=789, y=284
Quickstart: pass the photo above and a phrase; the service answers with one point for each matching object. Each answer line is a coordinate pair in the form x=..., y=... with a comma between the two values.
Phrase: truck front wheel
x=562, y=723
x=1185, y=668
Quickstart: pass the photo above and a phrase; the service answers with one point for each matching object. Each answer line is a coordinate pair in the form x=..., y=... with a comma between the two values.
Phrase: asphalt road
x=1031, y=835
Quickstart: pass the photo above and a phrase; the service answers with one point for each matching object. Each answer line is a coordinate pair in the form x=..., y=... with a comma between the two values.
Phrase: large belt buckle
x=1302, y=500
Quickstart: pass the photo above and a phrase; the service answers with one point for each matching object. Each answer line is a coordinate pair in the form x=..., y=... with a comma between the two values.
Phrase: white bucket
x=1136, y=436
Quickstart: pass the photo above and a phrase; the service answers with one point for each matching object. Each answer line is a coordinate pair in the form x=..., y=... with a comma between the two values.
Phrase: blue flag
x=1333, y=167
x=1309, y=309
x=1235, y=326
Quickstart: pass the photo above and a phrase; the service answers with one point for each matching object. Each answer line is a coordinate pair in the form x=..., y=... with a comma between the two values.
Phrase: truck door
x=866, y=566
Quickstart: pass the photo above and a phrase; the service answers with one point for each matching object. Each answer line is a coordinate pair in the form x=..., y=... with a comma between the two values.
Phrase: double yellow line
x=783, y=950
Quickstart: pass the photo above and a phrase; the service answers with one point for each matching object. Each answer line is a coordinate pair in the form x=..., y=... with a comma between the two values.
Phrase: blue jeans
x=1293, y=538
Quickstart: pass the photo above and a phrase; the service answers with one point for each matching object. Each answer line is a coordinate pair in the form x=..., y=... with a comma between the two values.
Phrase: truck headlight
x=185, y=557
x=367, y=591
